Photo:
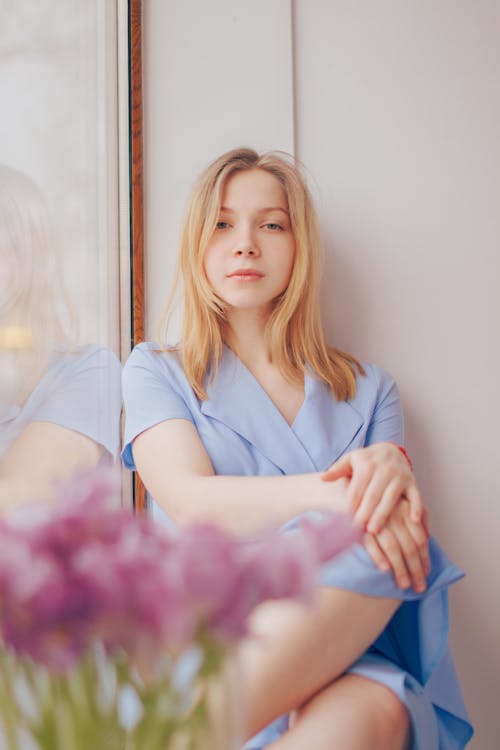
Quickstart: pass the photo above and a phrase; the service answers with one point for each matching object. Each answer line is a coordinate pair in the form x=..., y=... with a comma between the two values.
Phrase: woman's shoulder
x=374, y=375
x=154, y=356
x=150, y=360
x=374, y=384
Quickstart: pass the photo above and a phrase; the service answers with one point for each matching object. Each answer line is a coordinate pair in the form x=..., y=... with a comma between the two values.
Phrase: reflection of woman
x=59, y=404
x=236, y=424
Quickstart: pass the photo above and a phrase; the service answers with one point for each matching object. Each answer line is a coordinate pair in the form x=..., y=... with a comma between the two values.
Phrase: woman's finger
x=391, y=548
x=420, y=536
x=357, y=469
x=415, y=499
x=411, y=555
x=425, y=522
x=388, y=494
x=341, y=468
x=358, y=486
x=418, y=531
x=372, y=547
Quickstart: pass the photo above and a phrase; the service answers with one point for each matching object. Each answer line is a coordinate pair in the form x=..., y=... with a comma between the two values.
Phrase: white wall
x=216, y=75
x=397, y=118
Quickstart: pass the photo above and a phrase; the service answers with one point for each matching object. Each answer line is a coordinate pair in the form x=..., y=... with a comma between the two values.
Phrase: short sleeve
x=386, y=423
x=83, y=393
x=152, y=393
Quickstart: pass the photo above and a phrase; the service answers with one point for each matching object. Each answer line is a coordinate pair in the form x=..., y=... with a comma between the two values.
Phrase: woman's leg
x=351, y=714
x=297, y=650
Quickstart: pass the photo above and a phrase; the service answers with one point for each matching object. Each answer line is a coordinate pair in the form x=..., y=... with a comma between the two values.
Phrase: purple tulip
x=209, y=563
x=88, y=570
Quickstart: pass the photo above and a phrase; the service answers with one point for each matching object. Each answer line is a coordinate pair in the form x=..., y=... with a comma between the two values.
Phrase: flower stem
x=8, y=708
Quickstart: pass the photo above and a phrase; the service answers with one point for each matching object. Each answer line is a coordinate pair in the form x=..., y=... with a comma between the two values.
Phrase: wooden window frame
x=135, y=9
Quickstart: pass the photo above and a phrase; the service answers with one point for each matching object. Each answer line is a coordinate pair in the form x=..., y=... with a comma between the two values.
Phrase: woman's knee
x=368, y=715
x=390, y=719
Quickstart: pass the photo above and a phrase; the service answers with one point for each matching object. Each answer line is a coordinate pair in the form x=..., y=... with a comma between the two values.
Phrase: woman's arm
x=177, y=471
x=43, y=454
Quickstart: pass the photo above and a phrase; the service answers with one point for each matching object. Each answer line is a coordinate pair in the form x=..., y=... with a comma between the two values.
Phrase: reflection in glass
x=59, y=400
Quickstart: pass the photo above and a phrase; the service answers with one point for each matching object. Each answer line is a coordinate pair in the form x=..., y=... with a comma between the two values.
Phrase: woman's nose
x=245, y=241
x=244, y=250
x=246, y=244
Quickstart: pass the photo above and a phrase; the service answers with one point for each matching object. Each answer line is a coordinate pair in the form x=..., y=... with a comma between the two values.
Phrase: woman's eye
x=272, y=225
x=222, y=225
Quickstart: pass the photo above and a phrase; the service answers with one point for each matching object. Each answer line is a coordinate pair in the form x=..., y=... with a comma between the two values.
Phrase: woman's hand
x=402, y=546
x=379, y=475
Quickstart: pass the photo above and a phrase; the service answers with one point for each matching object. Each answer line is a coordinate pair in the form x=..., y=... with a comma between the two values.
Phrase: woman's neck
x=245, y=335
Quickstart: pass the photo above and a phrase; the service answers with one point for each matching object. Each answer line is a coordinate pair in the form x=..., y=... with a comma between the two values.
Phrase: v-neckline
x=261, y=388
x=320, y=432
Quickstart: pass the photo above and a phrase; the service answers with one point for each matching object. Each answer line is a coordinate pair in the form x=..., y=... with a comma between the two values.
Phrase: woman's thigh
x=295, y=650
x=353, y=713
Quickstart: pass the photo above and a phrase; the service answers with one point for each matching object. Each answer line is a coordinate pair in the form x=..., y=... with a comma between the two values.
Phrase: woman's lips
x=246, y=274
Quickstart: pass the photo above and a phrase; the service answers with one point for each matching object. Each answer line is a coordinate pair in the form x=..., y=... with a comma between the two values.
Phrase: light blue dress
x=245, y=435
x=81, y=390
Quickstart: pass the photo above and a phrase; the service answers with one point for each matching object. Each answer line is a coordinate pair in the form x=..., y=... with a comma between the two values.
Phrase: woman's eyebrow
x=273, y=208
x=267, y=209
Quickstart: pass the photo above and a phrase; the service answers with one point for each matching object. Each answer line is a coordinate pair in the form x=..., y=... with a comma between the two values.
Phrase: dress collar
x=321, y=432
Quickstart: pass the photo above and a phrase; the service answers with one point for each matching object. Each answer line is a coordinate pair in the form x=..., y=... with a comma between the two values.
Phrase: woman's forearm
x=177, y=471
x=244, y=505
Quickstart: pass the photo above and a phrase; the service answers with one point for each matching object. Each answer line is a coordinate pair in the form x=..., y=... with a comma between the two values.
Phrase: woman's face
x=249, y=258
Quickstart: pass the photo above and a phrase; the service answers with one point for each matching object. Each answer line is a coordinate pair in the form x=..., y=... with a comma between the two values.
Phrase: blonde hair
x=36, y=316
x=294, y=331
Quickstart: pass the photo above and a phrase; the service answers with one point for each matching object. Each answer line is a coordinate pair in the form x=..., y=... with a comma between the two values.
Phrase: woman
x=241, y=424
x=59, y=403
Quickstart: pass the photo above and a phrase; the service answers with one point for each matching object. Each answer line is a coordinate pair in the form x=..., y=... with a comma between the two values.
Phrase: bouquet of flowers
x=114, y=633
